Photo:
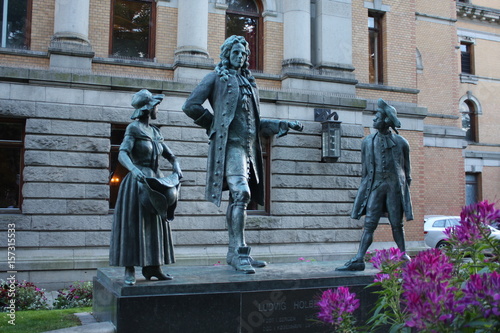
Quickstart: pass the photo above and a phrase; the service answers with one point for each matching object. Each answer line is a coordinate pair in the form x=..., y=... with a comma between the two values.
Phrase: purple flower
x=336, y=306
x=473, y=223
x=386, y=257
x=381, y=277
x=428, y=295
x=482, y=291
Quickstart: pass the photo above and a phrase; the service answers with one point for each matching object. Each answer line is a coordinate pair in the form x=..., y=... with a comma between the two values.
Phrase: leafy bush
x=78, y=295
x=27, y=295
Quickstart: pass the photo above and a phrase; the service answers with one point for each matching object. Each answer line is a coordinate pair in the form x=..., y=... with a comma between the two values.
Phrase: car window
x=439, y=224
x=452, y=222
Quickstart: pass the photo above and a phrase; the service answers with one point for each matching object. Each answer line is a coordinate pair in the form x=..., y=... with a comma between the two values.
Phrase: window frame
x=467, y=57
x=473, y=120
x=27, y=37
x=473, y=181
x=21, y=146
x=258, y=54
x=152, y=32
x=377, y=75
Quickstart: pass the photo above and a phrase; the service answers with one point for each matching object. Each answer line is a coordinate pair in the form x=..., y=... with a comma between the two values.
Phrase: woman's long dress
x=140, y=237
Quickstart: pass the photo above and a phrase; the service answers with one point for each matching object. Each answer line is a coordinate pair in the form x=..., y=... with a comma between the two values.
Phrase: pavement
x=89, y=325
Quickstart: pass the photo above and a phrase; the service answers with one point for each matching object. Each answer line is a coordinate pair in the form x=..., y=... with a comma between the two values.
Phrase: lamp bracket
x=325, y=114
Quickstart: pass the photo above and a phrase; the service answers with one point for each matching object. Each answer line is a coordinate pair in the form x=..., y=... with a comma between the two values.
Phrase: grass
x=37, y=321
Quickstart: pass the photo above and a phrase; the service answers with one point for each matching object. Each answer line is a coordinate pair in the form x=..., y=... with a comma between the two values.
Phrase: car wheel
x=442, y=245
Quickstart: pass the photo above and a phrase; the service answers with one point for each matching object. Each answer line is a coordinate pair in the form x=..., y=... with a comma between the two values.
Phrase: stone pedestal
x=278, y=298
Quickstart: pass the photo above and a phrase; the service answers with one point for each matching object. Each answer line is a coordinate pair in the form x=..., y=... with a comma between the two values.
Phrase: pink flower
x=428, y=295
x=336, y=306
x=482, y=291
x=386, y=257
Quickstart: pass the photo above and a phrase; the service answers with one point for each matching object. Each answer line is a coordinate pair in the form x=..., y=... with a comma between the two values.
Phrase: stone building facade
x=67, y=88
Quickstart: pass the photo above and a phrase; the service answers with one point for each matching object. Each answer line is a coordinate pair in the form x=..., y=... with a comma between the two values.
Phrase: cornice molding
x=473, y=12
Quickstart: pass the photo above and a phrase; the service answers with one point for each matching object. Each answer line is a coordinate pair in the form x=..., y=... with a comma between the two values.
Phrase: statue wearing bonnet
x=141, y=234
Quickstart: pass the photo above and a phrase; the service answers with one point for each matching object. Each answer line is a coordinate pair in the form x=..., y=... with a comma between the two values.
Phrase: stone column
x=297, y=33
x=70, y=47
x=192, y=28
x=192, y=38
x=333, y=34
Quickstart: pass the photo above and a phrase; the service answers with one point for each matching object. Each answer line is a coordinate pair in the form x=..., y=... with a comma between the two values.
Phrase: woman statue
x=141, y=234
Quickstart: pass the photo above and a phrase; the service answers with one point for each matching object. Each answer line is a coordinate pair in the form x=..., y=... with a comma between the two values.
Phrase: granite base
x=278, y=298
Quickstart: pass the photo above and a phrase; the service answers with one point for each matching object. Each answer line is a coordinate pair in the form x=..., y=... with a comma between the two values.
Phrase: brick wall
x=444, y=181
x=24, y=61
x=273, y=47
x=42, y=24
x=217, y=35
x=436, y=42
x=490, y=188
x=100, y=26
x=166, y=34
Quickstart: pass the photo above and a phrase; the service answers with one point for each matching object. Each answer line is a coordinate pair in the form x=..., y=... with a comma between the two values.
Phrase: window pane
x=10, y=167
x=245, y=26
x=131, y=29
x=466, y=58
x=15, y=35
x=247, y=6
x=471, y=188
x=11, y=131
x=466, y=125
x=375, y=49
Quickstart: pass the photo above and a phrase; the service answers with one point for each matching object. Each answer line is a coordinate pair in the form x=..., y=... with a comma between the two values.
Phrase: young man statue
x=385, y=182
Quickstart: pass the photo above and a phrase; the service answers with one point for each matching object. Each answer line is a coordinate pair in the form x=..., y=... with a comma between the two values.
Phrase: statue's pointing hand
x=296, y=125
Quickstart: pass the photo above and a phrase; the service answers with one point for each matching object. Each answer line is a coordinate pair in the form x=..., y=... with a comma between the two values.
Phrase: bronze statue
x=234, y=127
x=141, y=234
x=385, y=183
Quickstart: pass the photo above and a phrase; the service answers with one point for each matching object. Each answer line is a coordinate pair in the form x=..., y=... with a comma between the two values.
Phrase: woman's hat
x=144, y=100
x=159, y=195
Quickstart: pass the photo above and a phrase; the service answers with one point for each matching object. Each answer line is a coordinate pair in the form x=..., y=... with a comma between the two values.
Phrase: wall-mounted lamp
x=330, y=134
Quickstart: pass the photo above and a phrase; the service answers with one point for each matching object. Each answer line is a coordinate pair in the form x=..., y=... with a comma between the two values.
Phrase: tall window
x=469, y=121
x=133, y=27
x=472, y=193
x=467, y=57
x=243, y=18
x=11, y=155
x=116, y=171
x=15, y=25
x=375, y=48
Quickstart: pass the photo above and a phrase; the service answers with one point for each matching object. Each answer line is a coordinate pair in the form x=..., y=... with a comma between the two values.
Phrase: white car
x=434, y=226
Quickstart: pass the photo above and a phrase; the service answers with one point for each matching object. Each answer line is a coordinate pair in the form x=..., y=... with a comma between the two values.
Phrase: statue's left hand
x=296, y=125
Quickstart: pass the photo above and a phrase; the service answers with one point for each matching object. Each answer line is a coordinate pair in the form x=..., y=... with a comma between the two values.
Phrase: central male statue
x=234, y=127
x=385, y=183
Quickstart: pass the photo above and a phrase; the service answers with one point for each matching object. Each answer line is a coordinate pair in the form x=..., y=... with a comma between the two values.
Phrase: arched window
x=244, y=18
x=469, y=120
